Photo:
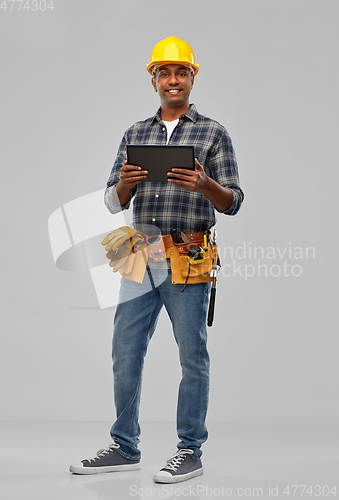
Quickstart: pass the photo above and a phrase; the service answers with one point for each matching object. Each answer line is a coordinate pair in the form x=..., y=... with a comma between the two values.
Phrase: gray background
x=72, y=81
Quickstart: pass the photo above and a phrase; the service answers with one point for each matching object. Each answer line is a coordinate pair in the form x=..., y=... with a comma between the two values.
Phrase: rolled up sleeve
x=110, y=201
x=224, y=170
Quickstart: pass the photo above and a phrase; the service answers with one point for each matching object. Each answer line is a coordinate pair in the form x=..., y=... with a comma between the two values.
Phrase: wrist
x=220, y=196
x=122, y=193
x=207, y=186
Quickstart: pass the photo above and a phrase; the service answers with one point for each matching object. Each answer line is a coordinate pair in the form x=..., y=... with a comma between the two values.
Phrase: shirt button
x=164, y=128
x=153, y=219
x=157, y=196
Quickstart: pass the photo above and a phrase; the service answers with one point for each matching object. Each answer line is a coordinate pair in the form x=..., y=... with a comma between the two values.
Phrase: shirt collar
x=192, y=114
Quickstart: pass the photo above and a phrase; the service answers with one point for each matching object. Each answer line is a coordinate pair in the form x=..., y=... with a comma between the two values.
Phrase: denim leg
x=188, y=313
x=134, y=324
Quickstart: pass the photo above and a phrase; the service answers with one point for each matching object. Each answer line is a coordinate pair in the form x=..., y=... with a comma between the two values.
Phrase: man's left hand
x=192, y=180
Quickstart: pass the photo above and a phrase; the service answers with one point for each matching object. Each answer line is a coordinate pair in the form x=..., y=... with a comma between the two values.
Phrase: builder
x=184, y=208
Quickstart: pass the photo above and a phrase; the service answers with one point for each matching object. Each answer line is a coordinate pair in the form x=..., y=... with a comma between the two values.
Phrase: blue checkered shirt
x=164, y=205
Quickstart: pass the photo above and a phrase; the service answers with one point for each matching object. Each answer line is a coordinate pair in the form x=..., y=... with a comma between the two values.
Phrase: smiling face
x=174, y=83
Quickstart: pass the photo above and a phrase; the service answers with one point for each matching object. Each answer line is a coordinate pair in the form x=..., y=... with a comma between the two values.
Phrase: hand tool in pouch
x=214, y=275
x=197, y=254
x=176, y=236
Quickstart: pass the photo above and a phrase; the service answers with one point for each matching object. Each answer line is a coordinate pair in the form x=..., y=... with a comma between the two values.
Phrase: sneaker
x=180, y=467
x=107, y=460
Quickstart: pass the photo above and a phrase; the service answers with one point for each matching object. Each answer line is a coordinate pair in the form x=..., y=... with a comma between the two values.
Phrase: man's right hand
x=131, y=175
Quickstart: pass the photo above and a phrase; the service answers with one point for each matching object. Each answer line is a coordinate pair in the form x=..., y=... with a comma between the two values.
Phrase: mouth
x=173, y=91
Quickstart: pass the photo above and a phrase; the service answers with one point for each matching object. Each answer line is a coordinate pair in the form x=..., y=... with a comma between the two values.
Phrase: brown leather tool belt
x=161, y=248
x=166, y=247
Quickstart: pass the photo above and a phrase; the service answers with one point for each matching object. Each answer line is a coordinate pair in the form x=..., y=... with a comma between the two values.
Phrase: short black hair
x=184, y=66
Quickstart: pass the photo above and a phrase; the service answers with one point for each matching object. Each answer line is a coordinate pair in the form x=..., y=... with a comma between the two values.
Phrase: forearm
x=122, y=193
x=221, y=197
x=112, y=200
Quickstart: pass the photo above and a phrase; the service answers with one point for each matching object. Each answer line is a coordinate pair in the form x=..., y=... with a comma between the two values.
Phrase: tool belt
x=182, y=272
x=160, y=248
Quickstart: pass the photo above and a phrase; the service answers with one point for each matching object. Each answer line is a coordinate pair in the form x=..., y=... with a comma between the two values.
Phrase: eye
x=163, y=74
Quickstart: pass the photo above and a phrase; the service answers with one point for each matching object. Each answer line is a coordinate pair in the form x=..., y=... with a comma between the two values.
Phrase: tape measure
x=196, y=255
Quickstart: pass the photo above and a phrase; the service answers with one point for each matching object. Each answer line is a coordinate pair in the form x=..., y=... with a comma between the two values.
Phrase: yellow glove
x=119, y=244
x=124, y=255
x=122, y=233
x=122, y=251
x=119, y=236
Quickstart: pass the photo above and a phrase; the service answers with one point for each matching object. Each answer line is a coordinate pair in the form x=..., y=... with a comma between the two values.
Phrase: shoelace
x=104, y=451
x=174, y=462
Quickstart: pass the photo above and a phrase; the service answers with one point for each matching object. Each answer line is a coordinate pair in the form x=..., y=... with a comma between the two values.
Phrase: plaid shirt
x=165, y=205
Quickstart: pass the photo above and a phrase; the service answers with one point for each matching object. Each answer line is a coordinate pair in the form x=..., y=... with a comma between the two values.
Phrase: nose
x=173, y=80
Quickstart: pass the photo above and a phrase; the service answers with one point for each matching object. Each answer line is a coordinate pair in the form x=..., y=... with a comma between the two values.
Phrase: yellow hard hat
x=172, y=50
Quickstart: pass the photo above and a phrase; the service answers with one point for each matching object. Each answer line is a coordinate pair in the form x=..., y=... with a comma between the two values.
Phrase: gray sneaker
x=107, y=460
x=180, y=467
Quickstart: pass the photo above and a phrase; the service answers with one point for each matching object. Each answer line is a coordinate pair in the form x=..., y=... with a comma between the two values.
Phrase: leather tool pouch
x=135, y=266
x=198, y=273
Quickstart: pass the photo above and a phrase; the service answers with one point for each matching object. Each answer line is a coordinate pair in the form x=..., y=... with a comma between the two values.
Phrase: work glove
x=119, y=244
x=117, y=264
x=119, y=236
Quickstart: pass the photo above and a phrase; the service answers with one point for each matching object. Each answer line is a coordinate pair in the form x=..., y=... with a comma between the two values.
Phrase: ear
x=154, y=83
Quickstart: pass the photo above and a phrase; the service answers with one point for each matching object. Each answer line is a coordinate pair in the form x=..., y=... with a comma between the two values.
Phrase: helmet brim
x=150, y=67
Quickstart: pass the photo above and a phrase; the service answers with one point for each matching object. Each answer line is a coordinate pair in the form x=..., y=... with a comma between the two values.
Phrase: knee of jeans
x=127, y=370
x=192, y=353
x=195, y=368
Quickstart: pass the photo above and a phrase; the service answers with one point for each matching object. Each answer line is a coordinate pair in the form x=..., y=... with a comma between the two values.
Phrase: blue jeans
x=134, y=324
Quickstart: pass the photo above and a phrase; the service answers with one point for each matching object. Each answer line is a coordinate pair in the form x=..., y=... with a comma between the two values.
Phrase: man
x=187, y=203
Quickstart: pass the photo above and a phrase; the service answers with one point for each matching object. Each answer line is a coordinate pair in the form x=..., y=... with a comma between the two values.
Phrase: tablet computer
x=158, y=160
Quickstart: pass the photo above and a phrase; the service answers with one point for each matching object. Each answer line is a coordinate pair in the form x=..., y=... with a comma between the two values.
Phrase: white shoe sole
x=166, y=477
x=79, y=469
